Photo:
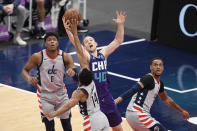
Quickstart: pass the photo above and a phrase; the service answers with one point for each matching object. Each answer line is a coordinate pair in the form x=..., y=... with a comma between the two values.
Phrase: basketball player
x=86, y=96
x=143, y=95
x=97, y=62
x=51, y=91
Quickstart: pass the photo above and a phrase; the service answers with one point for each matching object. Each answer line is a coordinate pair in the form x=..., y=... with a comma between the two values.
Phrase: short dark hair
x=85, y=76
x=51, y=34
x=155, y=58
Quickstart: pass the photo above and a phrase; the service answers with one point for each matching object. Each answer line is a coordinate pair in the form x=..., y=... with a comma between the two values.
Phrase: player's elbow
x=23, y=72
x=120, y=40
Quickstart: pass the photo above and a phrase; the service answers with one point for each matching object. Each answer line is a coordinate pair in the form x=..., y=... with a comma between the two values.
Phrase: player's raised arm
x=82, y=54
x=79, y=47
x=119, y=38
x=71, y=13
x=67, y=28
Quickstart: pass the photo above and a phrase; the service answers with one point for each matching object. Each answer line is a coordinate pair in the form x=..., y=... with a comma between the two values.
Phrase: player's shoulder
x=36, y=58
x=147, y=77
x=65, y=54
x=37, y=55
x=147, y=81
x=83, y=91
x=101, y=54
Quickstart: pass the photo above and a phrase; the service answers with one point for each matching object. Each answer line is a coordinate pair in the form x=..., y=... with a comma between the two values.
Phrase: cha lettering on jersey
x=99, y=65
x=100, y=70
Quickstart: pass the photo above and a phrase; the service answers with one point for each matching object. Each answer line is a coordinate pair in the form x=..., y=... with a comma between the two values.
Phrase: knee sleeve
x=158, y=127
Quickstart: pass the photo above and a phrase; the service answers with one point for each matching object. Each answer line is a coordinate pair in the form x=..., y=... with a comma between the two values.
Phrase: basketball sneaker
x=41, y=34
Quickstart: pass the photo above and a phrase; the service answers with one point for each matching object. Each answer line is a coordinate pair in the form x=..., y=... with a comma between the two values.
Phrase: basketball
x=72, y=13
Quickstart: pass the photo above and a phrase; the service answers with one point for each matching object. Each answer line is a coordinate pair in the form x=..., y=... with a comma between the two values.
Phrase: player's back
x=94, y=119
x=92, y=103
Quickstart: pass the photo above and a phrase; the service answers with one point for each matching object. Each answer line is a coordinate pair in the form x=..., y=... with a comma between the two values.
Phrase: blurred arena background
x=153, y=28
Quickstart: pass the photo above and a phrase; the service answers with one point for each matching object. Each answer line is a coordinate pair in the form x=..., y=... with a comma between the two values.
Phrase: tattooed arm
x=170, y=103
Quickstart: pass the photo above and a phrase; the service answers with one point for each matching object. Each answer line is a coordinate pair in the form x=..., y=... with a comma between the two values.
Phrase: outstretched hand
x=118, y=100
x=66, y=24
x=70, y=25
x=185, y=115
x=73, y=25
x=121, y=16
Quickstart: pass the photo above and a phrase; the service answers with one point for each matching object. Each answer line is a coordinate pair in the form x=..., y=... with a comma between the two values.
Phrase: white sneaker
x=19, y=41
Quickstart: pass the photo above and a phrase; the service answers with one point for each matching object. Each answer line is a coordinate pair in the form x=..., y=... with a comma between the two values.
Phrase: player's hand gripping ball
x=72, y=13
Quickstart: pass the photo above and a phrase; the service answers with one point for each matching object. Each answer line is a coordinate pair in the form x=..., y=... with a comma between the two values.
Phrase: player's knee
x=158, y=127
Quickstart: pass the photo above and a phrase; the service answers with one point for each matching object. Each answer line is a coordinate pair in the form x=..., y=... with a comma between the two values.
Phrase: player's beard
x=156, y=75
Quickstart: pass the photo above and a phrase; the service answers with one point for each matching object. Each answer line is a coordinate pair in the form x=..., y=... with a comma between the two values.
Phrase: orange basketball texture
x=72, y=13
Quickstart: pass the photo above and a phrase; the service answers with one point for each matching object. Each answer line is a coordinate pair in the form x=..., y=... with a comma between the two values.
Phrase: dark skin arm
x=34, y=60
x=170, y=103
x=77, y=96
x=70, y=63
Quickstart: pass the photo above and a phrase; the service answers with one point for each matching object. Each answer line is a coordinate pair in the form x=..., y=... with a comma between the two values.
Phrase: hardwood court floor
x=19, y=112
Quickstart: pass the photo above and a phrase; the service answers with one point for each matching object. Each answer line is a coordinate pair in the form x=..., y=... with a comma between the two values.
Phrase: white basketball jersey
x=144, y=99
x=92, y=103
x=51, y=72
